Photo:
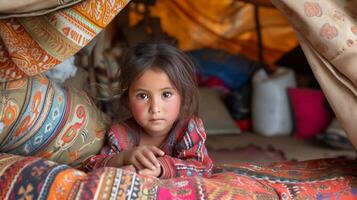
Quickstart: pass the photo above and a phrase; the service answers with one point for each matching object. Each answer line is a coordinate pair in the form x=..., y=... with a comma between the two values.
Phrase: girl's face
x=154, y=102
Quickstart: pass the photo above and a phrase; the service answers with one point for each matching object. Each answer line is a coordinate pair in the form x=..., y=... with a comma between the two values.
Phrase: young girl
x=163, y=137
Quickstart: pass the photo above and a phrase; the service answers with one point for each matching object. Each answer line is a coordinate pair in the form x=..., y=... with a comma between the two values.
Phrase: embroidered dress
x=185, y=150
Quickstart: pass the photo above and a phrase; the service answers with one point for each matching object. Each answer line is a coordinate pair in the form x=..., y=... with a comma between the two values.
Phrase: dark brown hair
x=175, y=63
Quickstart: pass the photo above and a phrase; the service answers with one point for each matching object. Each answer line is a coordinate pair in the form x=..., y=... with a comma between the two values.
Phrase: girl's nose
x=155, y=106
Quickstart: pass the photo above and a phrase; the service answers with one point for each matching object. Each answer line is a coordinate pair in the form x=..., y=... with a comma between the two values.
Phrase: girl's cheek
x=137, y=108
x=174, y=106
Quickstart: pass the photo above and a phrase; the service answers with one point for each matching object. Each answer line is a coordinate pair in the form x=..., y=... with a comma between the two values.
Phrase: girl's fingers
x=150, y=172
x=145, y=162
x=137, y=164
x=156, y=151
x=145, y=172
x=150, y=155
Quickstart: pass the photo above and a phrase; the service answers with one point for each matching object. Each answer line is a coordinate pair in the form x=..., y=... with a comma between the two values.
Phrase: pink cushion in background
x=310, y=111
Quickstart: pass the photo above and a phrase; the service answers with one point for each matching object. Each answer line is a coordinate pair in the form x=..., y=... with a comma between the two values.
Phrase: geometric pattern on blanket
x=35, y=178
x=311, y=179
x=41, y=118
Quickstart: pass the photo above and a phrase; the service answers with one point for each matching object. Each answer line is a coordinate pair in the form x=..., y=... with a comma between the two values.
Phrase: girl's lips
x=156, y=120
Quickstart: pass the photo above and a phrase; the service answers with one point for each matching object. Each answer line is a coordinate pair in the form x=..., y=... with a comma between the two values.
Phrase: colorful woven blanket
x=34, y=178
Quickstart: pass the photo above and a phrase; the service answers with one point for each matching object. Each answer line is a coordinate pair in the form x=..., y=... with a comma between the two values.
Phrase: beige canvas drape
x=26, y=8
x=327, y=32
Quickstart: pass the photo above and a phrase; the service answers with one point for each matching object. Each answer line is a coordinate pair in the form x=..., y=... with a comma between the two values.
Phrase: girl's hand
x=143, y=157
x=151, y=172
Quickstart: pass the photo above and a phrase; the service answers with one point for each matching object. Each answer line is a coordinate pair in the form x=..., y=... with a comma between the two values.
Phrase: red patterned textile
x=34, y=178
x=185, y=150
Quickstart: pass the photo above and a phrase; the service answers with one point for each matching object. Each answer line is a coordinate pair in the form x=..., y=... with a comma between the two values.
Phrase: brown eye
x=167, y=94
x=142, y=96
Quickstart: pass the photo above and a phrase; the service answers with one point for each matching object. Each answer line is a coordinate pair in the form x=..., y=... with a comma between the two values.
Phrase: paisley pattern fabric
x=330, y=28
x=34, y=178
x=41, y=118
x=37, y=116
x=326, y=30
x=31, y=45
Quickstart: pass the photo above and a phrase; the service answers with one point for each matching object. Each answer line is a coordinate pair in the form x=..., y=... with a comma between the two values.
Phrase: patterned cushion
x=41, y=118
x=31, y=45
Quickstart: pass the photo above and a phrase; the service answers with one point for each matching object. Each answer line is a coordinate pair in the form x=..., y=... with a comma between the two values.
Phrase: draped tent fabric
x=227, y=24
x=31, y=45
x=327, y=32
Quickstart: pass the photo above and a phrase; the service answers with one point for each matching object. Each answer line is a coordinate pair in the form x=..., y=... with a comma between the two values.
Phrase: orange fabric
x=224, y=24
x=65, y=181
x=31, y=45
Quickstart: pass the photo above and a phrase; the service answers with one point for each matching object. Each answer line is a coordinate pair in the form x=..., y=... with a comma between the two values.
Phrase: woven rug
x=249, y=153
